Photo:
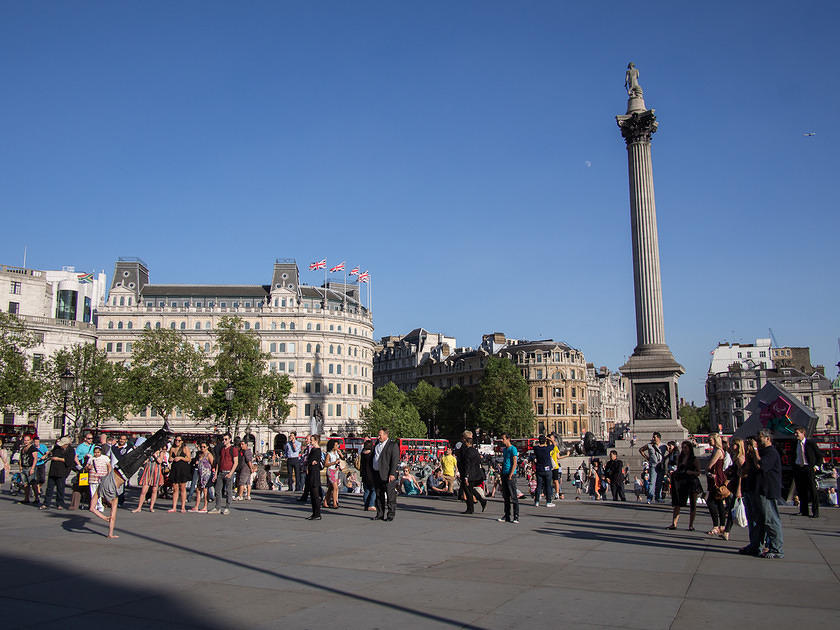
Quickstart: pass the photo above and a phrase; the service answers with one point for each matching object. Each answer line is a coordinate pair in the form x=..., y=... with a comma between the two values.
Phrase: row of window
x=333, y=410
x=333, y=388
x=247, y=326
x=761, y=353
x=557, y=376
x=559, y=392
x=560, y=409
x=117, y=346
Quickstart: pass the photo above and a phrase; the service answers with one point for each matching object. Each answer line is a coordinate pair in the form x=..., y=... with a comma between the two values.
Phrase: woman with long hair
x=180, y=472
x=152, y=477
x=313, y=477
x=733, y=481
x=333, y=465
x=685, y=485
x=715, y=481
x=204, y=465
x=367, y=472
x=750, y=474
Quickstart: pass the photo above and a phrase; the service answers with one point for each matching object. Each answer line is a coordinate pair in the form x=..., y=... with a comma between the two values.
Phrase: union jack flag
x=354, y=271
x=364, y=277
x=338, y=267
x=318, y=265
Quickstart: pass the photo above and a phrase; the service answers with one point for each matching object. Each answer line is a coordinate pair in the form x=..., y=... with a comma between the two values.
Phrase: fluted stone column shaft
x=650, y=327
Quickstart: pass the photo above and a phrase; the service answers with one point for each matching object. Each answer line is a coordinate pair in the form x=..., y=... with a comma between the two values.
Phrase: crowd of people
x=743, y=477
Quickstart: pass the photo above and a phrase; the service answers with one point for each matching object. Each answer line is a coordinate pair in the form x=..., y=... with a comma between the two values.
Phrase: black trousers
x=617, y=489
x=55, y=485
x=510, y=496
x=806, y=489
x=386, y=497
x=313, y=487
x=469, y=493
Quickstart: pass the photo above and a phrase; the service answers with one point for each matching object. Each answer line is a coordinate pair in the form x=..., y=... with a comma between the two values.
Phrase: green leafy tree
x=695, y=419
x=259, y=396
x=425, y=398
x=390, y=408
x=20, y=385
x=166, y=371
x=92, y=372
x=456, y=412
x=504, y=403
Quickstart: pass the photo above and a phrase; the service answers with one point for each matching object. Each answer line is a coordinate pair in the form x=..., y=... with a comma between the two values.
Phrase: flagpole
x=370, y=296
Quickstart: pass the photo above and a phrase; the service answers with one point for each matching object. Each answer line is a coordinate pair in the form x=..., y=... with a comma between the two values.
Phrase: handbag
x=722, y=493
x=84, y=480
x=739, y=513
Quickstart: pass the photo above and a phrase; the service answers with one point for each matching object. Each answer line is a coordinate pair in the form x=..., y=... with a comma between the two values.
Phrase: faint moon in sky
x=588, y=163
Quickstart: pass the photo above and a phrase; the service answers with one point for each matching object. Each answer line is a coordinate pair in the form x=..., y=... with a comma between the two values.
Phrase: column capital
x=638, y=126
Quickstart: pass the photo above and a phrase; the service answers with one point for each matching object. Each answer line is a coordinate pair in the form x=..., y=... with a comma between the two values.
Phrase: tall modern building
x=321, y=336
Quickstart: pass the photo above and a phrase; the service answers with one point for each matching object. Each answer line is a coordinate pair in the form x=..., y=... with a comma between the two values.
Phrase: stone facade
x=609, y=401
x=396, y=358
x=322, y=337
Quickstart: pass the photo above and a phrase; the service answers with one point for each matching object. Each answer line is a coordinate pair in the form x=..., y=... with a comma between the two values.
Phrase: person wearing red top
x=223, y=475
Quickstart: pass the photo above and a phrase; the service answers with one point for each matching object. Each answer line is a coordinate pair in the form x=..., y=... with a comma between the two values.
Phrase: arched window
x=338, y=368
x=198, y=325
x=119, y=325
x=257, y=326
x=309, y=326
x=331, y=368
x=183, y=325
x=309, y=347
x=331, y=348
x=129, y=301
x=148, y=326
x=129, y=325
x=110, y=324
x=207, y=346
x=172, y=325
x=317, y=326
x=157, y=325
x=317, y=348
x=282, y=325
x=338, y=349
x=247, y=325
x=207, y=325
x=292, y=326
x=273, y=325
x=122, y=301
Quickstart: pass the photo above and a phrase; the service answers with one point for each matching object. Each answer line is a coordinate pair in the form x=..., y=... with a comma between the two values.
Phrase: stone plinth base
x=654, y=396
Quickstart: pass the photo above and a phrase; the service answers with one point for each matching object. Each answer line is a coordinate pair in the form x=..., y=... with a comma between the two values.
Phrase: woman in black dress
x=685, y=485
x=313, y=476
x=180, y=472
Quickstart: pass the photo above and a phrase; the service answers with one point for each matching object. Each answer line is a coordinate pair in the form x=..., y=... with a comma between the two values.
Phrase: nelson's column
x=652, y=370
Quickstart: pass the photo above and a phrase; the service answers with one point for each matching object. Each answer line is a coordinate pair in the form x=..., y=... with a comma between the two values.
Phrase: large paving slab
x=580, y=564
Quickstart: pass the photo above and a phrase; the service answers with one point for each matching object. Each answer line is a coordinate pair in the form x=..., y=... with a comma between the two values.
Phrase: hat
x=65, y=441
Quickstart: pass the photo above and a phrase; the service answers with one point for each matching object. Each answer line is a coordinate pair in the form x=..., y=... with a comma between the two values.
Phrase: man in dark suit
x=386, y=458
x=805, y=466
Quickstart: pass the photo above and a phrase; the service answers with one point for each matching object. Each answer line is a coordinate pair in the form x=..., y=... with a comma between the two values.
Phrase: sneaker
x=549, y=505
x=515, y=521
x=772, y=555
x=215, y=511
x=536, y=504
x=503, y=520
x=226, y=511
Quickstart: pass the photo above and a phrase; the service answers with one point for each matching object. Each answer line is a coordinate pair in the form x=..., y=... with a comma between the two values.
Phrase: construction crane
x=773, y=338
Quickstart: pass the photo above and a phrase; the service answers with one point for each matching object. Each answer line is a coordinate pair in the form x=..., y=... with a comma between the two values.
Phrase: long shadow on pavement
x=641, y=541
x=289, y=578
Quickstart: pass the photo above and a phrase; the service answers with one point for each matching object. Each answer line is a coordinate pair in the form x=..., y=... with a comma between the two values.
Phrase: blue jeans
x=369, y=496
x=771, y=526
x=654, y=484
x=193, y=486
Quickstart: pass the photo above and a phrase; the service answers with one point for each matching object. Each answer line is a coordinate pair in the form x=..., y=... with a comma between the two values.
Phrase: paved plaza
x=580, y=564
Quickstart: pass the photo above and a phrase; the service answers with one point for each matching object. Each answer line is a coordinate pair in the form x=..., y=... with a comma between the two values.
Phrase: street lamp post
x=67, y=379
x=97, y=402
x=230, y=390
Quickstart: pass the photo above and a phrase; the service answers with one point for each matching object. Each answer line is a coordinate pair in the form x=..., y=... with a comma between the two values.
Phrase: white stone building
x=609, y=401
x=397, y=357
x=322, y=337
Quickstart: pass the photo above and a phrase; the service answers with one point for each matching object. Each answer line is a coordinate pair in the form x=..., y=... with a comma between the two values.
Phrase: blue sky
x=465, y=153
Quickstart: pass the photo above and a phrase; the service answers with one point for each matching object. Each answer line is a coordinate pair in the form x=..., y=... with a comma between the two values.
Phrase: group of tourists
x=743, y=477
